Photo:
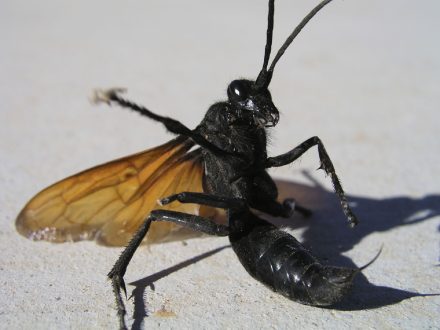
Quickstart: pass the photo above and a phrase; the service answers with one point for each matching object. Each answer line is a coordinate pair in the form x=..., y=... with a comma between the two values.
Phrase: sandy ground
x=364, y=76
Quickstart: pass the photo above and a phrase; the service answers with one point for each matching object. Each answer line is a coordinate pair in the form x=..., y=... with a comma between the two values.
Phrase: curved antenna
x=296, y=32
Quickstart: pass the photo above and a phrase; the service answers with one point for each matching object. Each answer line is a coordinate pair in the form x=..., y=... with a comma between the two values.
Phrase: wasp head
x=251, y=100
x=252, y=105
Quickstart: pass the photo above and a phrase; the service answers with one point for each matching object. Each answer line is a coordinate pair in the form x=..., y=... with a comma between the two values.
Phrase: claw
x=290, y=205
x=120, y=284
x=118, y=281
x=164, y=201
x=105, y=95
x=168, y=200
x=117, y=284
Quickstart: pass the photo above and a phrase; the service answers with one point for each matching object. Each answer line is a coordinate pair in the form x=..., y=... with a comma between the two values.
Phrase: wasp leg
x=194, y=222
x=172, y=125
x=276, y=209
x=326, y=165
x=271, y=207
x=206, y=199
x=264, y=198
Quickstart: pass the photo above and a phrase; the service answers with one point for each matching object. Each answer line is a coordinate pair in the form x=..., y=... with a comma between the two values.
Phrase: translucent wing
x=109, y=202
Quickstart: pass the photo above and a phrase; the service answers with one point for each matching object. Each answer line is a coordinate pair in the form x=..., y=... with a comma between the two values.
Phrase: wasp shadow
x=140, y=285
x=328, y=221
x=321, y=232
x=328, y=235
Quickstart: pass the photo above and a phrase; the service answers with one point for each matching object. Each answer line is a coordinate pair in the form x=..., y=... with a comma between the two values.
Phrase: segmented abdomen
x=278, y=260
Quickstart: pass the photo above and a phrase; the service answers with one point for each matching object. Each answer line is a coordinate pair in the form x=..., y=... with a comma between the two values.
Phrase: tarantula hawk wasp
x=116, y=203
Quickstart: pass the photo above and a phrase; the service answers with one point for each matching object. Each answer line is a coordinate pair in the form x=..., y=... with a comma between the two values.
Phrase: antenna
x=262, y=77
x=265, y=76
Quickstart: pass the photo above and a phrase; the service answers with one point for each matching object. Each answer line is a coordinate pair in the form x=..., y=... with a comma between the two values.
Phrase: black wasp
x=115, y=203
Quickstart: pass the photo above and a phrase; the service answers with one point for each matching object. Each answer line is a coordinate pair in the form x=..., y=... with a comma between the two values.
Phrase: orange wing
x=109, y=202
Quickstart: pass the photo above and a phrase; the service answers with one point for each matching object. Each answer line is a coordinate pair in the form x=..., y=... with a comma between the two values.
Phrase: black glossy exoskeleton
x=229, y=171
x=232, y=137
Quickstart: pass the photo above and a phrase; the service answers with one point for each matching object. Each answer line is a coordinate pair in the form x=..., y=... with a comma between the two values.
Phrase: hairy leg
x=326, y=165
x=172, y=125
x=187, y=220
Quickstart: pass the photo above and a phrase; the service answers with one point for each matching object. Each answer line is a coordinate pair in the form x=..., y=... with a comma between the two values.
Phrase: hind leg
x=264, y=199
x=187, y=220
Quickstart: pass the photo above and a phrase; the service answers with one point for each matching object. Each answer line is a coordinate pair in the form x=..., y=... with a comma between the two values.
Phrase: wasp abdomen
x=279, y=261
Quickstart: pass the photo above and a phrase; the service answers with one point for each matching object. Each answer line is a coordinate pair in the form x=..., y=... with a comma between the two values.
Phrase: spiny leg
x=118, y=270
x=326, y=165
x=191, y=221
x=294, y=206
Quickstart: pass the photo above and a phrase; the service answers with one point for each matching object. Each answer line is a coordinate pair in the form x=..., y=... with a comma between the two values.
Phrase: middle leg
x=206, y=199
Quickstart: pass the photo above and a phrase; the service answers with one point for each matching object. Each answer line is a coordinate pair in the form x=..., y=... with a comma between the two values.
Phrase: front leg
x=326, y=165
x=174, y=126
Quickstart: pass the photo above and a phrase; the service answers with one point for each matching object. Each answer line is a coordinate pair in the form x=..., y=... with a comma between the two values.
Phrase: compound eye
x=237, y=91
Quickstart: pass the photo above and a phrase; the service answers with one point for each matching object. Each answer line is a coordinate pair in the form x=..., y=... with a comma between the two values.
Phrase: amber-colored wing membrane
x=109, y=202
